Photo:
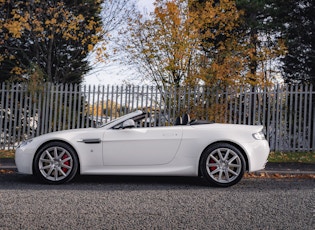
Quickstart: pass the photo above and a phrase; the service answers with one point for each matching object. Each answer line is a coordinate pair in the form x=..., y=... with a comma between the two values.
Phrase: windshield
x=112, y=121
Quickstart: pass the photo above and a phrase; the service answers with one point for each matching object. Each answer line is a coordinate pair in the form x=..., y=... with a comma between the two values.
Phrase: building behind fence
x=286, y=112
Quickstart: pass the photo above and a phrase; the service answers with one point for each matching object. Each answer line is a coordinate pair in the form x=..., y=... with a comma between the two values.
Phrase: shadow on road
x=131, y=183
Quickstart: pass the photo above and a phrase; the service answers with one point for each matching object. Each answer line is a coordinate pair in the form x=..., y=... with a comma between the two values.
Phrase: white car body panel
x=140, y=147
x=169, y=151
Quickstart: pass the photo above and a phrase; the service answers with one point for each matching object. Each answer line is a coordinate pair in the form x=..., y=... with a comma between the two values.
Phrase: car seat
x=186, y=119
x=178, y=121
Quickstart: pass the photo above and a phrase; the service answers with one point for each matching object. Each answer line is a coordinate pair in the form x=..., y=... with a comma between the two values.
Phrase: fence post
x=313, y=102
x=2, y=113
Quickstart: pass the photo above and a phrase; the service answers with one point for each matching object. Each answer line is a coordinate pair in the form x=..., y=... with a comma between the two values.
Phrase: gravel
x=93, y=202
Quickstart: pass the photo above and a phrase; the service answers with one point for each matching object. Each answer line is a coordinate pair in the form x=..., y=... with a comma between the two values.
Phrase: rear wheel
x=222, y=164
x=55, y=163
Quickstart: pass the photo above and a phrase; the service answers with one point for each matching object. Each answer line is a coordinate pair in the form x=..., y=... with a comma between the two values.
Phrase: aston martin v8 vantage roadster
x=218, y=153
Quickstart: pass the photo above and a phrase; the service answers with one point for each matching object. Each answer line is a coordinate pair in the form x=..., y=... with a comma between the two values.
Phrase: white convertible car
x=218, y=153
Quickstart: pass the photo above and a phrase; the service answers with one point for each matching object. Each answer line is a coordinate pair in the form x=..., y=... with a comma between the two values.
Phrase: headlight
x=259, y=136
x=23, y=143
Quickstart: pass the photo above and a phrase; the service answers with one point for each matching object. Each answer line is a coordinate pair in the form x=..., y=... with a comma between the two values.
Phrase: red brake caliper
x=66, y=163
x=212, y=168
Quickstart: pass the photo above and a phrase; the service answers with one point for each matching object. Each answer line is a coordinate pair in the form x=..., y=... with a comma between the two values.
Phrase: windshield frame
x=121, y=119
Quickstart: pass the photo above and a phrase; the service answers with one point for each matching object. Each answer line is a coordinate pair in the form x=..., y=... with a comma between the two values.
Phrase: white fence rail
x=287, y=112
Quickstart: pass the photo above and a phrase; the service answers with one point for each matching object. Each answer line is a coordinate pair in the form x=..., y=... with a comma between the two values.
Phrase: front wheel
x=222, y=165
x=55, y=163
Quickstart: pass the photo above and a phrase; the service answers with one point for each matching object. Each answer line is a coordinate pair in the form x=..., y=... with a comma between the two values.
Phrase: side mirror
x=128, y=124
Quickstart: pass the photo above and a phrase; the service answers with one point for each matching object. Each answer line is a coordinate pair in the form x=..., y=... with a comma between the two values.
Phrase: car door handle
x=170, y=134
x=90, y=141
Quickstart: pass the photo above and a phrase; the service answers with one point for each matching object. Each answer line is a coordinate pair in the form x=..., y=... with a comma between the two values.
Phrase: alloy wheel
x=55, y=163
x=224, y=165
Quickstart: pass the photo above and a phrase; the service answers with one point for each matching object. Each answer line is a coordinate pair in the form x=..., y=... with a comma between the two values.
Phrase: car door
x=141, y=146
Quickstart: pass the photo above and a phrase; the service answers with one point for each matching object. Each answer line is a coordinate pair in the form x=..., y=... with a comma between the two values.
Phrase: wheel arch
x=61, y=141
x=226, y=142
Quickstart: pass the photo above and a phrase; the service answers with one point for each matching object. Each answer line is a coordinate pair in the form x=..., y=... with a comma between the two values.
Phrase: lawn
x=301, y=157
x=6, y=153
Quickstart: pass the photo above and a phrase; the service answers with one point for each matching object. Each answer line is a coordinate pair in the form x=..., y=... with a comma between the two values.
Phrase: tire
x=222, y=165
x=55, y=163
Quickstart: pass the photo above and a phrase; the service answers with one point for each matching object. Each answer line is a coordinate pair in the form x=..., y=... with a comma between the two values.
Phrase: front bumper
x=24, y=160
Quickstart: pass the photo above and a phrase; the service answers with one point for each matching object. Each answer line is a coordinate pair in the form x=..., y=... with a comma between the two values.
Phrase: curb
x=287, y=172
x=3, y=167
x=271, y=168
x=281, y=174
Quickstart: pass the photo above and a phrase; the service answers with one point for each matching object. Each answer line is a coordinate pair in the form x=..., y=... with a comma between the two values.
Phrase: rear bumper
x=257, y=153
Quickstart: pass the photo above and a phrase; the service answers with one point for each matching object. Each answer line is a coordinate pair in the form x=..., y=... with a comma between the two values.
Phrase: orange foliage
x=185, y=43
x=30, y=21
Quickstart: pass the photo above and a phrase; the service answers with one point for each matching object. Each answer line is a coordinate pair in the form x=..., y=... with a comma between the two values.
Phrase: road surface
x=95, y=202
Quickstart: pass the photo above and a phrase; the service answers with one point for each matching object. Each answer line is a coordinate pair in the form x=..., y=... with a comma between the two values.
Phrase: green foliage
x=291, y=157
x=295, y=21
x=292, y=24
x=54, y=36
x=6, y=153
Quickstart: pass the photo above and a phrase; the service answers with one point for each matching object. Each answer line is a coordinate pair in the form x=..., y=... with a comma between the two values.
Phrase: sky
x=148, y=4
x=114, y=73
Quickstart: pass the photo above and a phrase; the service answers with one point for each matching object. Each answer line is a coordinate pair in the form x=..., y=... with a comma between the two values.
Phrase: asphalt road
x=93, y=202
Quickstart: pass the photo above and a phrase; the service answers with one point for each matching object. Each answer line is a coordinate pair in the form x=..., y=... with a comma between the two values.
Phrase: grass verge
x=6, y=153
x=276, y=157
x=292, y=157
